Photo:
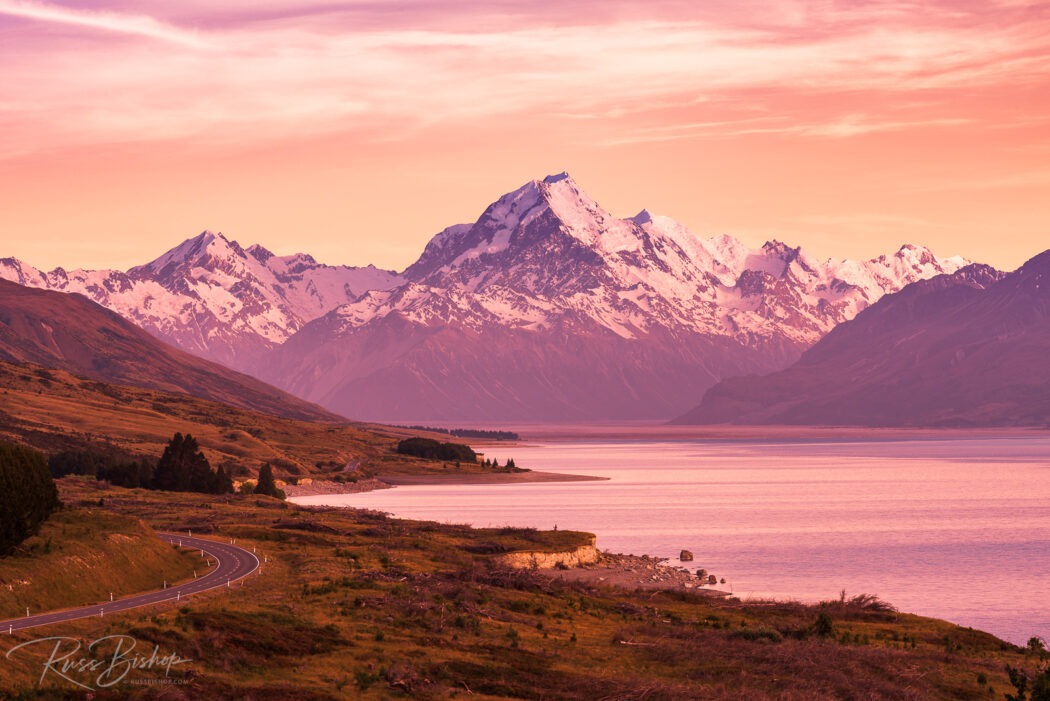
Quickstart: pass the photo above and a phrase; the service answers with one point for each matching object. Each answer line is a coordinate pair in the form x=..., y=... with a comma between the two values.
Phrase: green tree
x=433, y=450
x=221, y=483
x=27, y=494
x=183, y=467
x=266, y=483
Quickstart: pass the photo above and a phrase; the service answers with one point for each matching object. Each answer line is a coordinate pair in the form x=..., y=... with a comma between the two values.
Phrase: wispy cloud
x=241, y=80
x=117, y=22
x=841, y=128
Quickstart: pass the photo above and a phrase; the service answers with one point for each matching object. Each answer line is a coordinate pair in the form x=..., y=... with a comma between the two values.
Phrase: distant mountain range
x=213, y=298
x=70, y=332
x=546, y=308
x=967, y=349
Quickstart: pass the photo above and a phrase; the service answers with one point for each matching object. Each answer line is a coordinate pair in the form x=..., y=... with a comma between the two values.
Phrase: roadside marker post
x=111, y=596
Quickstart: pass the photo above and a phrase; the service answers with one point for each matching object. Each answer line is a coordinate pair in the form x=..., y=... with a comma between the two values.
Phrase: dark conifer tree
x=266, y=483
x=27, y=494
x=183, y=467
x=221, y=484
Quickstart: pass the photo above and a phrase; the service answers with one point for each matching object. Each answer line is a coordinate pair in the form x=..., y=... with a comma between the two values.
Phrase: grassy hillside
x=83, y=554
x=352, y=604
x=72, y=333
x=51, y=410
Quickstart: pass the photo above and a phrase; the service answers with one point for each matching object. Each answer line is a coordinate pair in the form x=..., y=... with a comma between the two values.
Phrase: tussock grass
x=83, y=554
x=355, y=605
x=63, y=411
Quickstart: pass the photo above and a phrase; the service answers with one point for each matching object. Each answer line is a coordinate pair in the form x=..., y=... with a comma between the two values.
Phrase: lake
x=956, y=529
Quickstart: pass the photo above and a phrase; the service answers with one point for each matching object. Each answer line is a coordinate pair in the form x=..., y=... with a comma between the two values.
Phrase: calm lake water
x=956, y=529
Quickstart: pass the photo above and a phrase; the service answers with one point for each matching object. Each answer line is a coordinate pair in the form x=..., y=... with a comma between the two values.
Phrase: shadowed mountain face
x=550, y=308
x=72, y=333
x=968, y=349
x=213, y=298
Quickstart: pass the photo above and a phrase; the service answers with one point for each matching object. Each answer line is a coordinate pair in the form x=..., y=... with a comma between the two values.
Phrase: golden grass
x=352, y=604
x=51, y=410
x=80, y=556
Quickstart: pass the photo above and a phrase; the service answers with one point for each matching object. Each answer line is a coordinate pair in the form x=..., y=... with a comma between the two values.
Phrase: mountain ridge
x=967, y=349
x=641, y=298
x=71, y=333
x=650, y=308
x=212, y=297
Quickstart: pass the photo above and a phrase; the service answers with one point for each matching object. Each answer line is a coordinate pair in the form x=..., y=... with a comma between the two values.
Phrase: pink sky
x=356, y=130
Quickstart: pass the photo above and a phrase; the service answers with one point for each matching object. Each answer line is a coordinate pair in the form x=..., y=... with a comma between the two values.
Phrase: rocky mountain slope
x=964, y=349
x=550, y=308
x=547, y=307
x=213, y=298
x=72, y=333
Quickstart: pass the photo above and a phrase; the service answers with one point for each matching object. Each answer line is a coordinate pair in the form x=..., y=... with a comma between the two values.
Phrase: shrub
x=433, y=450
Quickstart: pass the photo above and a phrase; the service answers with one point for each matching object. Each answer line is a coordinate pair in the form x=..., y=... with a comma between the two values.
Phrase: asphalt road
x=232, y=563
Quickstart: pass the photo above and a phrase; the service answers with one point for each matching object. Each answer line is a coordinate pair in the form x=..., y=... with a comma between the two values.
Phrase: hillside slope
x=968, y=349
x=549, y=308
x=213, y=298
x=52, y=410
x=70, y=332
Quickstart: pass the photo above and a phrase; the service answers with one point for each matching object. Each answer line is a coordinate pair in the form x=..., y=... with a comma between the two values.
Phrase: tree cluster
x=106, y=465
x=183, y=468
x=469, y=432
x=433, y=450
x=495, y=466
x=27, y=494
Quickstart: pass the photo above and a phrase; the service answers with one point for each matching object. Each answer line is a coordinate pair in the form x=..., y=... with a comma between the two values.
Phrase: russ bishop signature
x=94, y=666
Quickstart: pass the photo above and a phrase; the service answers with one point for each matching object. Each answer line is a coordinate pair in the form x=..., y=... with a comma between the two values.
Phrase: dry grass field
x=352, y=604
x=52, y=410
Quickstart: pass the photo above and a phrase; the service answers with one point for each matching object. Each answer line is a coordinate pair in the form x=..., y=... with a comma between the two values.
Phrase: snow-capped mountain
x=966, y=349
x=210, y=296
x=547, y=248
x=548, y=307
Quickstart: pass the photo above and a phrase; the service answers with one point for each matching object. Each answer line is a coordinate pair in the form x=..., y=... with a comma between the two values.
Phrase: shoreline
x=725, y=433
x=329, y=487
x=633, y=572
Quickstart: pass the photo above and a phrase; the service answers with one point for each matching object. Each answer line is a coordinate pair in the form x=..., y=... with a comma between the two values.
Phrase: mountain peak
x=259, y=253
x=205, y=246
x=643, y=217
x=557, y=178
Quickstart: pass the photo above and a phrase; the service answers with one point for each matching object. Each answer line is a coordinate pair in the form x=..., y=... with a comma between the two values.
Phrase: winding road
x=231, y=564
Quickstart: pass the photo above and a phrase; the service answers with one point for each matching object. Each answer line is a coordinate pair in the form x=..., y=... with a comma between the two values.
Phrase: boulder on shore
x=686, y=556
